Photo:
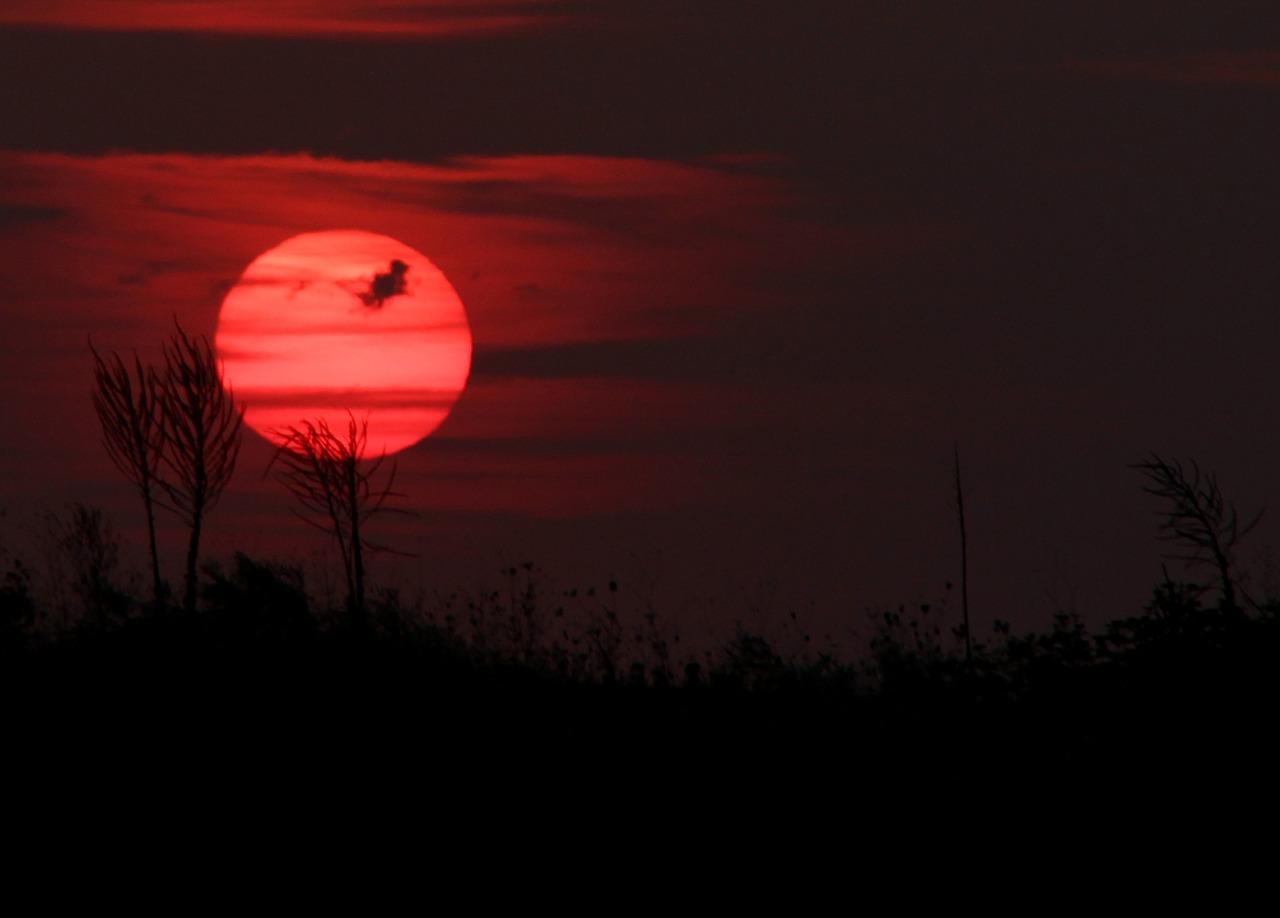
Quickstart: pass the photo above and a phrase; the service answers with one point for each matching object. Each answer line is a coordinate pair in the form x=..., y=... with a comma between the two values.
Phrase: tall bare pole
x=964, y=558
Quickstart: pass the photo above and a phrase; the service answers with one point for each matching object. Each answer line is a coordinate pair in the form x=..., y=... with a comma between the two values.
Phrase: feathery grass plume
x=202, y=431
x=128, y=404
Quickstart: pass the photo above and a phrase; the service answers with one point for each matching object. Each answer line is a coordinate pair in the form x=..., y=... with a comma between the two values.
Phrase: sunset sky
x=737, y=275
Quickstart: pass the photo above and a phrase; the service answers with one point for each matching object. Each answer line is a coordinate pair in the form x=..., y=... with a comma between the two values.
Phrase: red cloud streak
x=545, y=252
x=368, y=18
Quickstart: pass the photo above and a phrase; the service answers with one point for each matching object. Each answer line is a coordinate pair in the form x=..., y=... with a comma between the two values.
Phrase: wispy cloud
x=14, y=215
x=368, y=18
x=615, y=302
x=1221, y=68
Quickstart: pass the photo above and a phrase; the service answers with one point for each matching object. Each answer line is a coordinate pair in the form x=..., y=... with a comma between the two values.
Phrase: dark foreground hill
x=206, y=710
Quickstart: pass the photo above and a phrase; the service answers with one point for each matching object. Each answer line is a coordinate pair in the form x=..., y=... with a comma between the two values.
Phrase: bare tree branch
x=129, y=408
x=330, y=478
x=202, y=426
x=1198, y=517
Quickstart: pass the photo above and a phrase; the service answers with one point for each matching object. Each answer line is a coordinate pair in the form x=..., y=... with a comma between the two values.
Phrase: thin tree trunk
x=964, y=561
x=1224, y=572
x=157, y=585
x=357, y=555
x=199, y=499
x=193, y=554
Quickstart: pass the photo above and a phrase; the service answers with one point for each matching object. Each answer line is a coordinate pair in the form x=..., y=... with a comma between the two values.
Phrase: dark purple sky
x=738, y=274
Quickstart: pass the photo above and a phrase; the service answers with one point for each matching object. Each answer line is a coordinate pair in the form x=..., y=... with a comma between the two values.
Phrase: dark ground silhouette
x=259, y=686
x=572, y=705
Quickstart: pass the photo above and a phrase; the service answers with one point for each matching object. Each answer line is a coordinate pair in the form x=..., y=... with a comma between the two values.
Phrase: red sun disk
x=345, y=321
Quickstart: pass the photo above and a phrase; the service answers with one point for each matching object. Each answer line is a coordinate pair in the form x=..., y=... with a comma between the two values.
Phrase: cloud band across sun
x=314, y=330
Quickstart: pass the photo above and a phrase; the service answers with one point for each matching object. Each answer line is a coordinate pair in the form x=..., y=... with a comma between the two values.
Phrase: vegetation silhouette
x=174, y=432
x=332, y=480
x=202, y=428
x=964, y=557
x=1199, y=518
x=530, y=673
x=128, y=408
x=17, y=611
x=88, y=547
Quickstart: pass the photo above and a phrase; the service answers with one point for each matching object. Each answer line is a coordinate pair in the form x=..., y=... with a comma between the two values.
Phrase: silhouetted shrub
x=88, y=547
x=750, y=662
x=17, y=610
x=260, y=601
x=908, y=659
x=1041, y=664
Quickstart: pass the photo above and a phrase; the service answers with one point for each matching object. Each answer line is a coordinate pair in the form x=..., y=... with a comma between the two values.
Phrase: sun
x=342, y=321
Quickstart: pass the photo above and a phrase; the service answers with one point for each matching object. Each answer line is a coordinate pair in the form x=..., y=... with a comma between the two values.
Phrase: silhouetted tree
x=90, y=546
x=202, y=427
x=1199, y=518
x=332, y=481
x=128, y=407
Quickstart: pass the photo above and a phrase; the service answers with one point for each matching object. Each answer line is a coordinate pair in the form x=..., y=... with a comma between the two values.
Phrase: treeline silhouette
x=524, y=664
x=529, y=705
x=527, y=683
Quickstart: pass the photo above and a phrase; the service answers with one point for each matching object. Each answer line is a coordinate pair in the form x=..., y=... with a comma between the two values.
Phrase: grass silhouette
x=593, y=698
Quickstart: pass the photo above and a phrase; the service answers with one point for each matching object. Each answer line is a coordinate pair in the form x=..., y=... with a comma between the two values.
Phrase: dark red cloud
x=1221, y=68
x=636, y=327
x=316, y=18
